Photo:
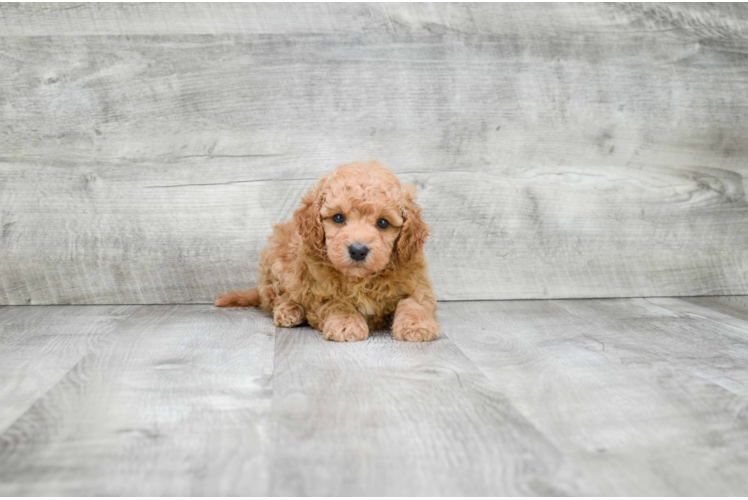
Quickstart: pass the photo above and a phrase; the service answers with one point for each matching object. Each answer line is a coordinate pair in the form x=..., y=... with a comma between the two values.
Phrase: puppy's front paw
x=415, y=326
x=345, y=329
x=288, y=314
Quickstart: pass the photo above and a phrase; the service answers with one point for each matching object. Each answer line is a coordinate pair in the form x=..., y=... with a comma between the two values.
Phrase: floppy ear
x=309, y=221
x=414, y=231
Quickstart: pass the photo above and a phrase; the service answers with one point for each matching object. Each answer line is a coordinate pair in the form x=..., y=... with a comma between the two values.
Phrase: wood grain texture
x=173, y=403
x=388, y=418
x=567, y=150
x=325, y=18
x=647, y=395
x=39, y=346
x=585, y=397
x=736, y=305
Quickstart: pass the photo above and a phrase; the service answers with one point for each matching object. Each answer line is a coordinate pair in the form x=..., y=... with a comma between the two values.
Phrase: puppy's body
x=311, y=269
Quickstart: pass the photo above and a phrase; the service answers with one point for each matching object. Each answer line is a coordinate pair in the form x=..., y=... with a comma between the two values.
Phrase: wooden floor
x=577, y=397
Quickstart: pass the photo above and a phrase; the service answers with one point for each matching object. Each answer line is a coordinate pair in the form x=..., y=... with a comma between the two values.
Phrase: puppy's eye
x=383, y=224
x=338, y=218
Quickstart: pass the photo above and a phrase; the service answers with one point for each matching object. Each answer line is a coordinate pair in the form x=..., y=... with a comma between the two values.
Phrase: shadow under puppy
x=350, y=259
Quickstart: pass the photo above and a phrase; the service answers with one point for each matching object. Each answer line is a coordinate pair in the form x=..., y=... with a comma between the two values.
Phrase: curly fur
x=306, y=273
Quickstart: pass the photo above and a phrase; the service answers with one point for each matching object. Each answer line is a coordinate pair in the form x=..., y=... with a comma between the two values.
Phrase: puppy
x=350, y=259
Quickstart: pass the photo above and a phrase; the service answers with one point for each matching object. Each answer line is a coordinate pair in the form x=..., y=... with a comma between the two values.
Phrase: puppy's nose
x=357, y=251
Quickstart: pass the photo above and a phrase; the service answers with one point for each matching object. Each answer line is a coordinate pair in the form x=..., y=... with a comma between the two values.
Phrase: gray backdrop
x=560, y=150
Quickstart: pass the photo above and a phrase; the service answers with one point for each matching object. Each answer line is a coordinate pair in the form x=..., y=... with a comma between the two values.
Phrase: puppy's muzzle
x=357, y=251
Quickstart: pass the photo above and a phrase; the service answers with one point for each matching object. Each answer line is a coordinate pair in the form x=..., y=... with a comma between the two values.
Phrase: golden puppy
x=350, y=259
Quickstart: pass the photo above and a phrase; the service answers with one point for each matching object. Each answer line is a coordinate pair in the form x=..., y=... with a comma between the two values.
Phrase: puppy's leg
x=415, y=318
x=288, y=313
x=239, y=298
x=341, y=322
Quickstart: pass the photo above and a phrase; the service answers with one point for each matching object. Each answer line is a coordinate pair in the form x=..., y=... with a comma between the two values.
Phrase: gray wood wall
x=560, y=150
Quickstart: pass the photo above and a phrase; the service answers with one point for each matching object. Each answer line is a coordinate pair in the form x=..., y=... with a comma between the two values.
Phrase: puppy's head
x=362, y=219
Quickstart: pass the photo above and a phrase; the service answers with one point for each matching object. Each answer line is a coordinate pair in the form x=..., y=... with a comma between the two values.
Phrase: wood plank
x=39, y=345
x=721, y=310
x=645, y=400
x=734, y=305
x=560, y=151
x=161, y=246
x=283, y=18
x=382, y=417
x=173, y=404
x=583, y=397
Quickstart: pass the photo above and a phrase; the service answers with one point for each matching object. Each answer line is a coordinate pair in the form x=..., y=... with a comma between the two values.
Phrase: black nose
x=358, y=252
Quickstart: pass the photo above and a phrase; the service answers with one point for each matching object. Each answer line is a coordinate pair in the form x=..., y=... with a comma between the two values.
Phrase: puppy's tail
x=239, y=298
